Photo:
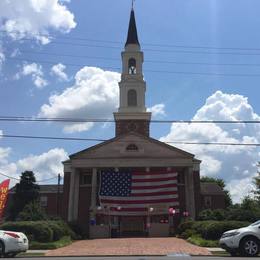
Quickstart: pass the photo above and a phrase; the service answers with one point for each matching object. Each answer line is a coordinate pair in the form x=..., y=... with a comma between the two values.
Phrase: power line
x=151, y=71
x=103, y=140
x=13, y=178
x=146, y=61
x=10, y=177
x=156, y=50
x=143, y=43
x=109, y=120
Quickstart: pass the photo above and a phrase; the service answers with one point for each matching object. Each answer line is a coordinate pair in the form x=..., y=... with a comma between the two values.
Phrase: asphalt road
x=139, y=258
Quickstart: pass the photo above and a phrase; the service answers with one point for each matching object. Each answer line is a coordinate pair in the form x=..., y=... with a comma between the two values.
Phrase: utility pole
x=58, y=196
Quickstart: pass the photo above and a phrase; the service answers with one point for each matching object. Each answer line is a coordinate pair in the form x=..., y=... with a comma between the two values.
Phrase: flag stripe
x=154, y=186
x=154, y=173
x=141, y=197
x=143, y=184
x=173, y=189
x=156, y=193
x=148, y=176
x=155, y=201
x=154, y=180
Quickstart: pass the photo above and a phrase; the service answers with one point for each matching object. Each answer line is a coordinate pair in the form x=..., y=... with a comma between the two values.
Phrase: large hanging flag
x=134, y=193
x=4, y=186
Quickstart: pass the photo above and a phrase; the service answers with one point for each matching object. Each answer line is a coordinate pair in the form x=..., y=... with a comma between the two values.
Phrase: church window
x=132, y=98
x=207, y=202
x=86, y=179
x=43, y=201
x=132, y=66
x=132, y=147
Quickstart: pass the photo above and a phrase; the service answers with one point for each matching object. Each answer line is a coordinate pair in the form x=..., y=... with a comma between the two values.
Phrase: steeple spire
x=132, y=37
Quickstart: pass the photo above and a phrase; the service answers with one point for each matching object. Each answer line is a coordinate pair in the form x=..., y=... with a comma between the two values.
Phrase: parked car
x=243, y=241
x=12, y=243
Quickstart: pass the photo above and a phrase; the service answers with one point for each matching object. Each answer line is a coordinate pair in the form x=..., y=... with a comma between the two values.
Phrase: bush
x=208, y=214
x=37, y=231
x=211, y=230
x=41, y=231
x=32, y=212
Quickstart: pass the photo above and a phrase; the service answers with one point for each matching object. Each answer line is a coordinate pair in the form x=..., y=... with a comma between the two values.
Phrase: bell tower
x=132, y=115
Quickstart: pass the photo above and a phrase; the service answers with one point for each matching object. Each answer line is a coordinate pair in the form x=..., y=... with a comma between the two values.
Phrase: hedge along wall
x=210, y=229
x=41, y=231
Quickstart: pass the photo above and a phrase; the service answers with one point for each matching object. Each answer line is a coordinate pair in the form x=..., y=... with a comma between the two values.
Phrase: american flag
x=133, y=193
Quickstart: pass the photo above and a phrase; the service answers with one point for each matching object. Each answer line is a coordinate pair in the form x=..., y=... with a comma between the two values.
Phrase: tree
x=32, y=212
x=256, y=182
x=26, y=191
x=222, y=185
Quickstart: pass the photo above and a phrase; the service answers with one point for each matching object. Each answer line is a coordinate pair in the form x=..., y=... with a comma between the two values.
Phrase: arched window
x=132, y=98
x=132, y=147
x=132, y=66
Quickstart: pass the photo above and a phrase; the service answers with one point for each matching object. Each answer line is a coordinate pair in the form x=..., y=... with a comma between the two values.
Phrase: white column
x=71, y=195
x=94, y=191
x=189, y=192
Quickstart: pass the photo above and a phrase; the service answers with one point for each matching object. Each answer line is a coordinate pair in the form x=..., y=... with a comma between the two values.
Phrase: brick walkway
x=129, y=246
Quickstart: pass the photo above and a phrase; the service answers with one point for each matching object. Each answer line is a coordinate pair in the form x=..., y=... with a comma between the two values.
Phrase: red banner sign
x=4, y=186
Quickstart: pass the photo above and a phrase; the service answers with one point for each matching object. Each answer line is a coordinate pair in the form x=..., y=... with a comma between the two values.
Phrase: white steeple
x=132, y=109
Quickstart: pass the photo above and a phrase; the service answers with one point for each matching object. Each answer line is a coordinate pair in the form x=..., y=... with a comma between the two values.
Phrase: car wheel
x=2, y=249
x=233, y=253
x=249, y=247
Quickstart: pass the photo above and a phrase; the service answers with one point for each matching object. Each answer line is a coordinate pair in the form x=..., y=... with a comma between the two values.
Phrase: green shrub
x=208, y=214
x=184, y=226
x=32, y=212
x=38, y=230
x=41, y=231
x=211, y=230
x=187, y=233
x=215, y=229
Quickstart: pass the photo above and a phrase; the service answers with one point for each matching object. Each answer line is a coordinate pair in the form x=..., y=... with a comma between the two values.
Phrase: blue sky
x=37, y=35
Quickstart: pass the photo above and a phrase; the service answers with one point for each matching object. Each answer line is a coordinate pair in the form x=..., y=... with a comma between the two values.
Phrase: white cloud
x=4, y=153
x=93, y=95
x=58, y=70
x=35, y=71
x=34, y=18
x=235, y=164
x=2, y=56
x=45, y=166
x=157, y=110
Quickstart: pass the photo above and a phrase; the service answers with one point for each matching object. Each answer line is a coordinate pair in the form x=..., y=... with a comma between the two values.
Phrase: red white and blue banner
x=134, y=193
x=4, y=186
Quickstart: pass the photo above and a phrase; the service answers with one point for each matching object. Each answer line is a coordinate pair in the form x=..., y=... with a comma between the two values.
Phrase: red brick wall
x=142, y=127
x=217, y=201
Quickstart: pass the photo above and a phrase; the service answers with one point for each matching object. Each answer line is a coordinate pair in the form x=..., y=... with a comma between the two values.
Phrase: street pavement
x=140, y=258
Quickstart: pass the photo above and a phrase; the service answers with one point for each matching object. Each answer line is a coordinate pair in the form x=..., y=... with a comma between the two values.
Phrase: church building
x=132, y=184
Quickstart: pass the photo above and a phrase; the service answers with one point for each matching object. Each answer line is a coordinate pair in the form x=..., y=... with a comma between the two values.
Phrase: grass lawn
x=199, y=241
x=65, y=241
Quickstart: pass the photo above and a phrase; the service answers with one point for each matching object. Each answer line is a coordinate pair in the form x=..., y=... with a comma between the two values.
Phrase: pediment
x=132, y=146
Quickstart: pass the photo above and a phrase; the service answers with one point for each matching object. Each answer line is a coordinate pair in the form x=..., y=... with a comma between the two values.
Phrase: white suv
x=244, y=241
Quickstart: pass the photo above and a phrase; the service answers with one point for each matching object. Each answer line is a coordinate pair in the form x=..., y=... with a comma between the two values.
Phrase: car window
x=256, y=223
